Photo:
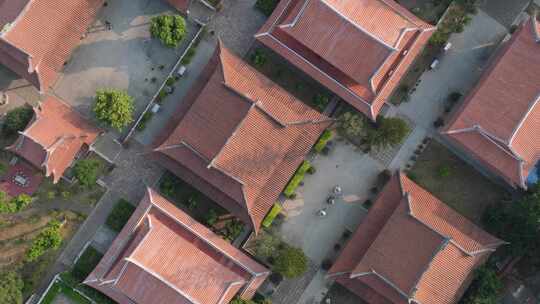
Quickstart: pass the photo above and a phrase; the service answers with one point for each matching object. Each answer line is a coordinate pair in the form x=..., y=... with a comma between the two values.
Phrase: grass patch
x=120, y=214
x=269, y=218
x=60, y=287
x=288, y=77
x=296, y=179
x=86, y=263
x=455, y=182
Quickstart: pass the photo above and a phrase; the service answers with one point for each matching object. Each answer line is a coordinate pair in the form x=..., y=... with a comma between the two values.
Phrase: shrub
x=439, y=122
x=15, y=204
x=114, y=107
x=211, y=217
x=120, y=214
x=17, y=119
x=169, y=29
x=326, y=264
x=389, y=132
x=296, y=179
x=266, y=246
x=86, y=263
x=86, y=171
x=368, y=203
x=192, y=203
x=170, y=81
x=454, y=97
x=311, y=170
x=351, y=124
x=3, y=169
x=443, y=171
x=189, y=55
x=258, y=58
x=266, y=6
x=485, y=287
x=49, y=238
x=321, y=101
x=144, y=120
x=232, y=230
x=291, y=262
x=11, y=285
x=269, y=218
x=323, y=140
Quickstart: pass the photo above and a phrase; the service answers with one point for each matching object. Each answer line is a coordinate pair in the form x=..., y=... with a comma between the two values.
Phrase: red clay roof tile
x=164, y=256
x=324, y=37
x=54, y=137
x=411, y=246
x=503, y=108
x=256, y=135
x=42, y=36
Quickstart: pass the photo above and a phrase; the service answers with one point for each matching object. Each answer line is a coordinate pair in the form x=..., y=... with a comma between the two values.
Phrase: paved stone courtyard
x=125, y=57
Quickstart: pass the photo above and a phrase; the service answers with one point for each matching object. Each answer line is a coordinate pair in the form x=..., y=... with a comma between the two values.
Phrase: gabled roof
x=239, y=138
x=54, y=137
x=499, y=121
x=359, y=49
x=38, y=36
x=163, y=255
x=411, y=246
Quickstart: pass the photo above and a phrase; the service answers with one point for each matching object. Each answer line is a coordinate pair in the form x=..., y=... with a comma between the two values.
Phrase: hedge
x=120, y=214
x=276, y=209
x=323, y=140
x=296, y=179
x=86, y=263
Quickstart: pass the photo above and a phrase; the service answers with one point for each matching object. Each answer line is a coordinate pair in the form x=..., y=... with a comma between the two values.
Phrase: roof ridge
x=442, y=246
x=198, y=235
x=532, y=105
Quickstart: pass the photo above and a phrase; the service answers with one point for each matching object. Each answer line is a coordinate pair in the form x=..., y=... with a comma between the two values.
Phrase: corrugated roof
x=411, y=246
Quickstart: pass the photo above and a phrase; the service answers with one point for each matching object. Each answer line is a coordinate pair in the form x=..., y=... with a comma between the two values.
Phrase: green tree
x=484, y=288
x=114, y=107
x=517, y=223
x=241, y=301
x=15, y=204
x=389, y=132
x=17, y=119
x=266, y=246
x=169, y=29
x=49, y=238
x=86, y=171
x=291, y=262
x=351, y=124
x=11, y=285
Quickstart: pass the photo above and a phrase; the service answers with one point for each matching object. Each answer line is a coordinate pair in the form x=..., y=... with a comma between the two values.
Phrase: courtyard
x=123, y=57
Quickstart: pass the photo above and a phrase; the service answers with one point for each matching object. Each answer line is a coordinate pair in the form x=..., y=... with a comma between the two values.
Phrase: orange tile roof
x=411, y=246
x=163, y=255
x=40, y=35
x=241, y=138
x=498, y=121
x=358, y=49
x=54, y=137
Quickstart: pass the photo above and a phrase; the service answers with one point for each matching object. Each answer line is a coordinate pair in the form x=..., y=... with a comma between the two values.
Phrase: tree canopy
x=389, y=132
x=49, y=238
x=484, y=288
x=169, y=29
x=11, y=285
x=114, y=107
x=517, y=223
x=17, y=119
x=291, y=262
x=86, y=171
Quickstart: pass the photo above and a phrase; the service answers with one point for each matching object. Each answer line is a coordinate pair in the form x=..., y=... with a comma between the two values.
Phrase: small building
x=412, y=248
x=237, y=137
x=497, y=124
x=54, y=138
x=359, y=49
x=38, y=36
x=162, y=255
